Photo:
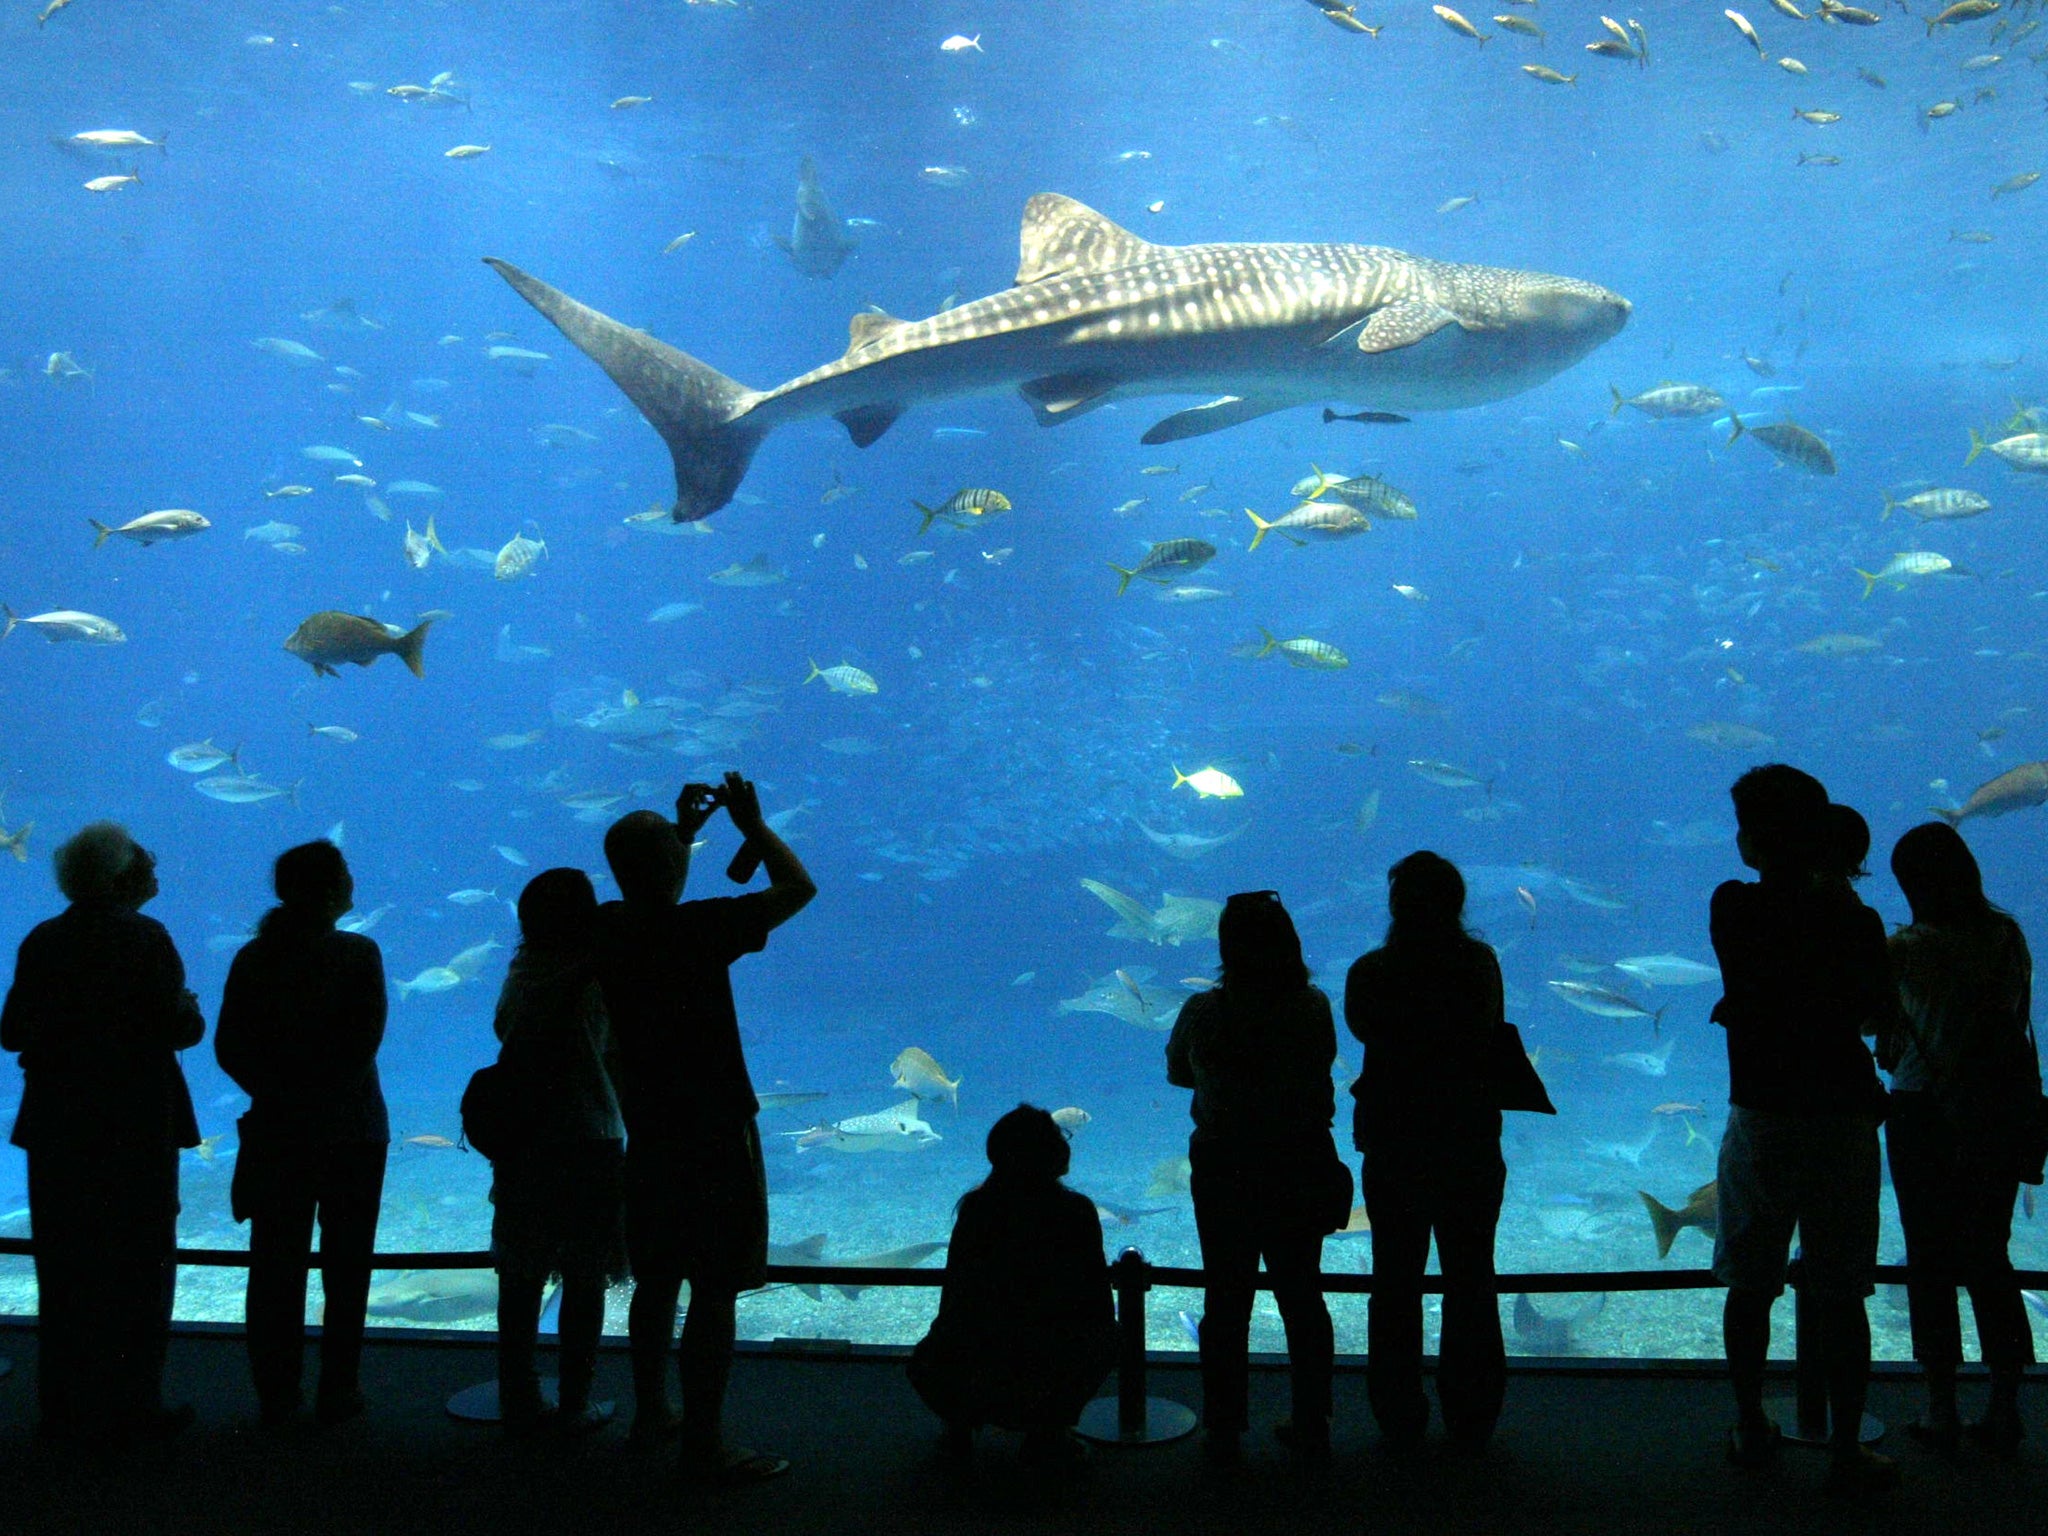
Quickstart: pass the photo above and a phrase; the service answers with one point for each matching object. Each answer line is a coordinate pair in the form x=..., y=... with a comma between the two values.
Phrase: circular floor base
x=479, y=1404
x=1785, y=1411
x=1164, y=1420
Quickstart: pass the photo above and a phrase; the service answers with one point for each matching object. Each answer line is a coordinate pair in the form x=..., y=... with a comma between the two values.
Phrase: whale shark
x=816, y=244
x=1098, y=314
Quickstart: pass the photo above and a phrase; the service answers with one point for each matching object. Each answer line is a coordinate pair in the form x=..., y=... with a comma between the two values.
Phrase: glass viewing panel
x=1025, y=742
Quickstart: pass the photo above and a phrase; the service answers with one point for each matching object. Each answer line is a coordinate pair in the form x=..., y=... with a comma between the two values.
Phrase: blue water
x=1585, y=606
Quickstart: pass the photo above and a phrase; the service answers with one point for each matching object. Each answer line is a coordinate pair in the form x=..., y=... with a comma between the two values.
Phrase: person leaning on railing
x=97, y=1011
x=1426, y=1005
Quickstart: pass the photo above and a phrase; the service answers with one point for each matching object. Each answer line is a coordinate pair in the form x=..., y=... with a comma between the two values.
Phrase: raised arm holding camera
x=696, y=1192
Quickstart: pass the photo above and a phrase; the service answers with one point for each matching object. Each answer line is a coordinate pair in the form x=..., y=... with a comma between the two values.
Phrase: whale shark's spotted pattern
x=1099, y=314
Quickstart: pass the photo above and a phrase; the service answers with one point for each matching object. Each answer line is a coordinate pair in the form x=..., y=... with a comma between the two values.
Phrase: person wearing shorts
x=1806, y=976
x=696, y=1193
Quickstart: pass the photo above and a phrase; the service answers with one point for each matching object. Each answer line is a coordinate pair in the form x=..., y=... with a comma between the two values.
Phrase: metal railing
x=1138, y=1418
x=1130, y=1267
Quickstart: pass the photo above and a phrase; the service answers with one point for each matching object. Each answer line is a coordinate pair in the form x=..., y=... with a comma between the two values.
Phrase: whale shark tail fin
x=699, y=412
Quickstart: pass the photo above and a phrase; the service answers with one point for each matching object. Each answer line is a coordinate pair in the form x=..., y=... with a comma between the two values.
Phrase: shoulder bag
x=1511, y=1077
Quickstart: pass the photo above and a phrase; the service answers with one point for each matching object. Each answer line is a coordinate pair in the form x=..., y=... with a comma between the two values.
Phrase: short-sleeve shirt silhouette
x=682, y=1073
x=1805, y=974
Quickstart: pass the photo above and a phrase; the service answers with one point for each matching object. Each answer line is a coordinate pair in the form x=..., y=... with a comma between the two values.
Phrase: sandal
x=1755, y=1449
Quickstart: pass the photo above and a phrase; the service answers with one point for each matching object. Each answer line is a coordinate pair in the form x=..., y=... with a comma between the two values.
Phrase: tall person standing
x=301, y=1021
x=1258, y=1050
x=1804, y=977
x=97, y=1012
x=1964, y=1127
x=1425, y=1005
x=696, y=1191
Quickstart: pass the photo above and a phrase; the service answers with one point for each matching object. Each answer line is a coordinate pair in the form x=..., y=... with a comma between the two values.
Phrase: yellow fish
x=918, y=1074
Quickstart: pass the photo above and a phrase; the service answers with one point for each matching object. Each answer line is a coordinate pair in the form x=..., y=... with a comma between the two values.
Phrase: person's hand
x=694, y=807
x=743, y=804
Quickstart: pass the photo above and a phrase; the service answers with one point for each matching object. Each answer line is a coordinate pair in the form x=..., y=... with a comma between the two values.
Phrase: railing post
x=1129, y=1279
x=1811, y=1420
x=1132, y=1417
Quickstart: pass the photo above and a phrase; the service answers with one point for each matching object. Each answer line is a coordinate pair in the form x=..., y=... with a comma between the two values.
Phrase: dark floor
x=1606, y=1452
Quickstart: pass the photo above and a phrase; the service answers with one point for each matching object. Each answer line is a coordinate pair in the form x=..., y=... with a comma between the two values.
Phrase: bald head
x=647, y=858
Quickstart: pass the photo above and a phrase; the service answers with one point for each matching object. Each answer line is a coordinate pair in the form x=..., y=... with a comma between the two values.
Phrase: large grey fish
x=328, y=639
x=1098, y=314
x=2017, y=789
x=817, y=243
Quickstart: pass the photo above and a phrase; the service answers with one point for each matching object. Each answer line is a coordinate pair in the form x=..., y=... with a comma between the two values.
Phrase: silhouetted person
x=300, y=1023
x=1425, y=1005
x=558, y=1197
x=1848, y=849
x=1804, y=978
x=1964, y=1075
x=1258, y=1050
x=1026, y=1331
x=97, y=1011
x=696, y=1192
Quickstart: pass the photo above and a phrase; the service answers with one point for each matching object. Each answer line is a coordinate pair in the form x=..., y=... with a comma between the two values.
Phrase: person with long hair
x=1965, y=1080
x=1025, y=1332
x=558, y=1197
x=1258, y=1051
x=98, y=1010
x=1425, y=1006
x=300, y=1024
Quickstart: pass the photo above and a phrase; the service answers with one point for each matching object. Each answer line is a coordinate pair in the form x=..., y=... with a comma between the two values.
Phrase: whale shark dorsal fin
x=868, y=325
x=1397, y=325
x=1061, y=236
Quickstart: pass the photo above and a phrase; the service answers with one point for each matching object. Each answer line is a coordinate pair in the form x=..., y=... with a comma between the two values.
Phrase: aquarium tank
x=1270, y=437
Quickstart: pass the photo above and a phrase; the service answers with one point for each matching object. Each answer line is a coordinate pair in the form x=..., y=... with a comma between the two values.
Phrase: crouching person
x=1026, y=1331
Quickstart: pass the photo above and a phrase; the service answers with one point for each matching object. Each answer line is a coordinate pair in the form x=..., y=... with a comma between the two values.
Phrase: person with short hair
x=301, y=1020
x=696, y=1190
x=1026, y=1331
x=98, y=1011
x=558, y=1197
x=1258, y=1051
x=1425, y=1005
x=1804, y=978
x=1966, y=1081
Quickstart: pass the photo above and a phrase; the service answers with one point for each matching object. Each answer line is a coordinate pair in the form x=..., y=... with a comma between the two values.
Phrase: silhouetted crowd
x=619, y=1119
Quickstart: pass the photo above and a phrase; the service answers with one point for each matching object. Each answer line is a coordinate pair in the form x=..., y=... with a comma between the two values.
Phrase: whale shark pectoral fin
x=865, y=423
x=1200, y=420
x=1398, y=325
x=1061, y=397
x=868, y=325
x=1060, y=236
